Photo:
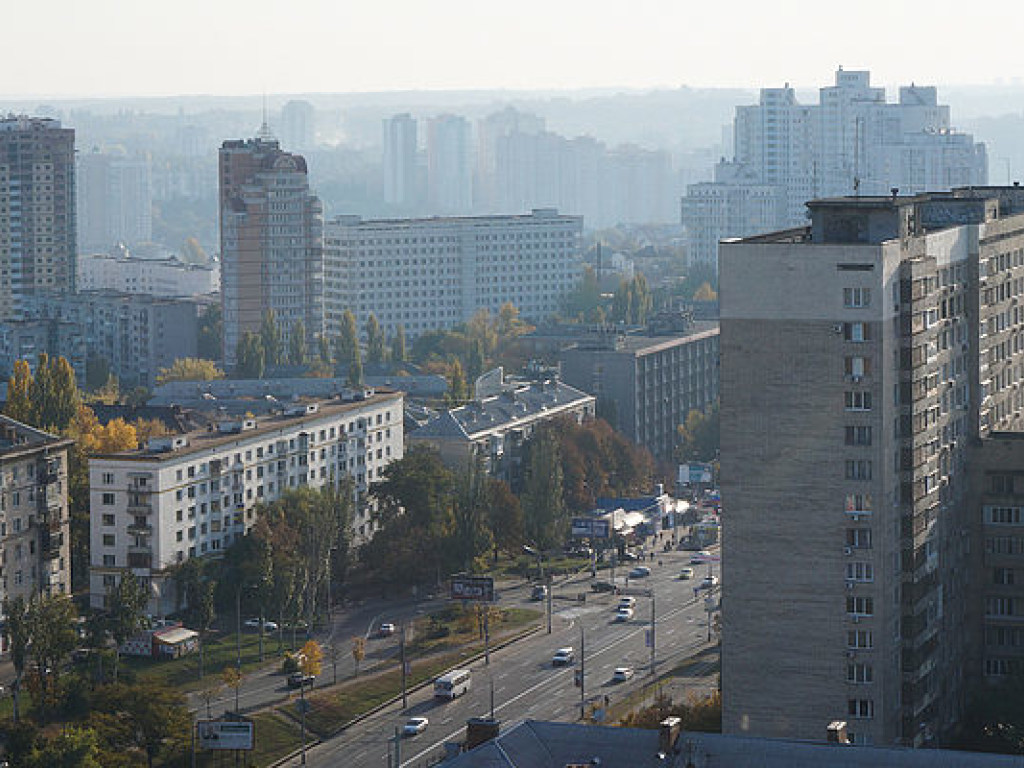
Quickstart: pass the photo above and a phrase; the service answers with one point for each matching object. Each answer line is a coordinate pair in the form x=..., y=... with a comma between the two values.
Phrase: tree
x=470, y=535
x=126, y=614
x=457, y=388
x=251, y=362
x=358, y=651
x=505, y=517
x=324, y=349
x=190, y=369
x=543, y=508
x=210, y=336
x=705, y=293
x=374, y=340
x=150, y=718
x=53, y=637
x=310, y=658
x=233, y=678
x=297, y=344
x=194, y=592
x=270, y=336
x=585, y=300
x=18, y=636
x=699, y=437
x=72, y=748
x=475, y=362
x=19, y=404
x=97, y=372
x=92, y=437
x=633, y=302
x=47, y=400
x=355, y=370
x=192, y=252
x=347, y=343
x=398, y=351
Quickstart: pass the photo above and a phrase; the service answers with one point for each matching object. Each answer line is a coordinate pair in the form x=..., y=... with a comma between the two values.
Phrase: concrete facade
x=647, y=385
x=168, y=277
x=860, y=357
x=192, y=495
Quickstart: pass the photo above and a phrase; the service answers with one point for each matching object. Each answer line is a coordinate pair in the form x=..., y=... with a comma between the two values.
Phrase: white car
x=563, y=657
x=686, y=573
x=624, y=614
x=700, y=557
x=708, y=582
x=387, y=629
x=415, y=726
x=252, y=624
x=627, y=602
x=268, y=626
x=622, y=674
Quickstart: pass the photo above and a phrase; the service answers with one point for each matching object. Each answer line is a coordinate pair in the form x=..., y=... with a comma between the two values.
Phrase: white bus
x=453, y=684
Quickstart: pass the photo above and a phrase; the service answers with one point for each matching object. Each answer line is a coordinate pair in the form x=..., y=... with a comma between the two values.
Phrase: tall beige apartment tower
x=37, y=210
x=861, y=357
x=271, y=239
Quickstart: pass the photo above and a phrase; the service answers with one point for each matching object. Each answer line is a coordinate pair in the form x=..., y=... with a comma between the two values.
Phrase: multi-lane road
x=524, y=682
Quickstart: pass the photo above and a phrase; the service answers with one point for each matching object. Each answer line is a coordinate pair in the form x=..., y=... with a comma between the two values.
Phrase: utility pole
x=401, y=650
x=583, y=672
x=487, y=633
x=551, y=586
x=653, y=622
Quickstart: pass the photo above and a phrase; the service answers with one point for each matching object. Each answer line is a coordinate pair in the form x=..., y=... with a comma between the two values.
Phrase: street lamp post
x=536, y=552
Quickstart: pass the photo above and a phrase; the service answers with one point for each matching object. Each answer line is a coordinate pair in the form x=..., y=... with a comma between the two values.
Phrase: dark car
x=602, y=586
x=630, y=556
x=539, y=592
x=298, y=680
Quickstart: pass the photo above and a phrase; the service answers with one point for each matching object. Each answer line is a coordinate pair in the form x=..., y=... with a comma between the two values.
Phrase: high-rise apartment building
x=449, y=173
x=853, y=142
x=400, y=170
x=271, y=237
x=427, y=274
x=38, y=244
x=298, y=125
x=115, y=201
x=862, y=359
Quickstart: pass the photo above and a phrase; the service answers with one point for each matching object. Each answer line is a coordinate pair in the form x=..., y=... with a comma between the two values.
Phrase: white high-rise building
x=853, y=142
x=426, y=274
x=449, y=174
x=115, y=201
x=400, y=160
x=298, y=130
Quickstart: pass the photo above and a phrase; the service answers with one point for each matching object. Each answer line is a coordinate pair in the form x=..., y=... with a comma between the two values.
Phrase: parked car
x=563, y=657
x=298, y=680
x=268, y=626
x=686, y=573
x=640, y=572
x=624, y=614
x=414, y=726
x=387, y=629
x=622, y=674
x=539, y=592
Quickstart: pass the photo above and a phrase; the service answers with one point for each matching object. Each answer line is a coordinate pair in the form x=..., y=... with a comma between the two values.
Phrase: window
x=858, y=435
x=1002, y=515
x=108, y=519
x=1003, y=576
x=860, y=606
x=856, y=298
x=1001, y=483
x=860, y=708
x=860, y=572
x=108, y=478
x=860, y=638
x=856, y=332
x=857, y=367
x=109, y=561
x=858, y=401
x=858, y=470
x=859, y=673
x=108, y=499
x=108, y=539
x=999, y=606
x=179, y=535
x=858, y=538
x=858, y=502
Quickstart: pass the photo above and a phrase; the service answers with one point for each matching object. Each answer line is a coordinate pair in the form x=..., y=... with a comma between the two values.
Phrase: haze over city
x=106, y=48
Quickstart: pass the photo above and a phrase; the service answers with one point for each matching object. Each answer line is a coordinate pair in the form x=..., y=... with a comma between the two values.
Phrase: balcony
x=140, y=530
x=139, y=508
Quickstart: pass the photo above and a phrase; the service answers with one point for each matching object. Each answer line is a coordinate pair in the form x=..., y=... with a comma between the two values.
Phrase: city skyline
x=119, y=49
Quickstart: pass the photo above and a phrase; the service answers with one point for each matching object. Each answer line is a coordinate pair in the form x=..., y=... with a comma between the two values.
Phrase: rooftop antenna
x=264, y=132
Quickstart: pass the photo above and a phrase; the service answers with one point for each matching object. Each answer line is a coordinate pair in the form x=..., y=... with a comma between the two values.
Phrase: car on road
x=686, y=573
x=631, y=557
x=298, y=680
x=602, y=586
x=622, y=674
x=627, y=601
x=415, y=726
x=268, y=626
x=563, y=657
x=624, y=614
x=387, y=629
x=640, y=572
x=708, y=582
x=539, y=592
x=700, y=557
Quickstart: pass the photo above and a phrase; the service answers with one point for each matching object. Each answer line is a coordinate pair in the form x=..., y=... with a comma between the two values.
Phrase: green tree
x=355, y=370
x=543, y=509
x=19, y=636
x=126, y=613
x=633, y=301
x=210, y=335
x=585, y=300
x=53, y=637
x=97, y=372
x=72, y=748
x=470, y=535
x=700, y=436
x=194, y=587
x=346, y=345
x=49, y=400
x=398, y=351
x=475, y=362
x=297, y=344
x=270, y=335
x=375, y=345
x=324, y=349
x=457, y=388
x=505, y=517
x=19, y=403
x=149, y=718
x=190, y=369
x=251, y=362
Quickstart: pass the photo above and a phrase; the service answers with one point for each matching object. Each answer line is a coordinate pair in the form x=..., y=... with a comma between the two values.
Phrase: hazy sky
x=86, y=48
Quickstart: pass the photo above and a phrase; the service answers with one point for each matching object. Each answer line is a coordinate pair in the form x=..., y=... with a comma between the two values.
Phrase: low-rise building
x=169, y=277
x=192, y=495
x=500, y=418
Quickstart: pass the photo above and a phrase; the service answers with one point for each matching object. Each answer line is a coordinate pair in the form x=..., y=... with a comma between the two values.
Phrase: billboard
x=479, y=588
x=226, y=734
x=695, y=472
x=590, y=528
